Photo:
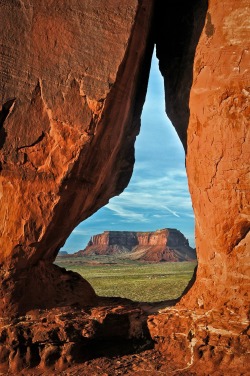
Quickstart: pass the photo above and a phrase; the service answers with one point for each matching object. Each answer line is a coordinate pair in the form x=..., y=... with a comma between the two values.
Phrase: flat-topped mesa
x=127, y=239
x=155, y=246
x=159, y=237
x=168, y=236
x=130, y=239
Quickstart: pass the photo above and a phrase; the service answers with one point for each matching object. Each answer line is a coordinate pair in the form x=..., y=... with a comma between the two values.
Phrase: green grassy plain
x=138, y=281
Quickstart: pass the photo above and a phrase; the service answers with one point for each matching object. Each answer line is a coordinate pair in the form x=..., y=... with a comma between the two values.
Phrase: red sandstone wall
x=208, y=331
x=73, y=80
x=72, y=73
x=218, y=157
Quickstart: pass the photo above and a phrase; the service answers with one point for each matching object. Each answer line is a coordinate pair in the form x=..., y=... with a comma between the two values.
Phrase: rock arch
x=78, y=76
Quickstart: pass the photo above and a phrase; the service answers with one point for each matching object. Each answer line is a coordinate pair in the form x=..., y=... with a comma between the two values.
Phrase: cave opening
x=156, y=198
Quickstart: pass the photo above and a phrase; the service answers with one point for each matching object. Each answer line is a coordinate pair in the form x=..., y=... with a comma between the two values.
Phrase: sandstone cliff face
x=217, y=140
x=216, y=70
x=156, y=246
x=72, y=82
x=218, y=157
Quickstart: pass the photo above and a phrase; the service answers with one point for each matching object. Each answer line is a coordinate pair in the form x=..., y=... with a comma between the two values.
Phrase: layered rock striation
x=161, y=245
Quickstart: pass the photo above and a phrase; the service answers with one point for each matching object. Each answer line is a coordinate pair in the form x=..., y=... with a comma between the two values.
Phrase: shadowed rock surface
x=73, y=78
x=58, y=338
x=155, y=246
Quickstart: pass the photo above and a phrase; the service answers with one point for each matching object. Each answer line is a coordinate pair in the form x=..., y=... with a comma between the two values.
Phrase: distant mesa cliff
x=161, y=245
x=63, y=254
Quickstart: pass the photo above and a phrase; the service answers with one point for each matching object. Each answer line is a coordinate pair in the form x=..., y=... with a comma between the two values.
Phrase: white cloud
x=171, y=211
x=79, y=231
x=129, y=215
x=154, y=194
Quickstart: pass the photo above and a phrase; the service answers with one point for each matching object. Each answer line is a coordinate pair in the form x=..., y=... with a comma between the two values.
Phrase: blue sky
x=157, y=195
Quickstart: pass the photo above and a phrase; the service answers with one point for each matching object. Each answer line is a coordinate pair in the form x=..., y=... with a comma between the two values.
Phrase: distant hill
x=62, y=254
x=161, y=245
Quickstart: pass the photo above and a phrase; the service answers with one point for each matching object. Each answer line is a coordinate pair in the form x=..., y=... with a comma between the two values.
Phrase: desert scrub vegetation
x=141, y=282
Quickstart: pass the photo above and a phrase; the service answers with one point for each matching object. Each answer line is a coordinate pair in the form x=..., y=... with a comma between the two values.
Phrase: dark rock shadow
x=4, y=112
x=177, y=28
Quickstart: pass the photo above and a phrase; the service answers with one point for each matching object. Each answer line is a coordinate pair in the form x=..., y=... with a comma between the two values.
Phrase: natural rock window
x=79, y=75
x=156, y=197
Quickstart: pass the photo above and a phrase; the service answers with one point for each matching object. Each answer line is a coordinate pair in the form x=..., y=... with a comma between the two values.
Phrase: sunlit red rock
x=217, y=145
x=73, y=81
x=211, y=319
